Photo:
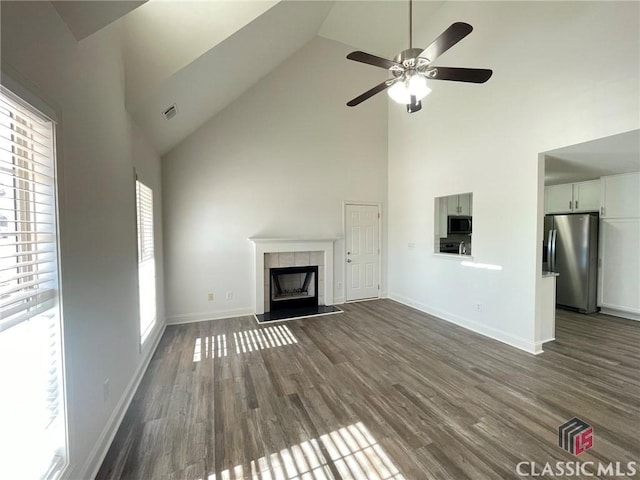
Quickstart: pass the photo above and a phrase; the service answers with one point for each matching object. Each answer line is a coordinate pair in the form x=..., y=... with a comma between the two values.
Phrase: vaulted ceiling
x=86, y=18
x=219, y=75
x=202, y=55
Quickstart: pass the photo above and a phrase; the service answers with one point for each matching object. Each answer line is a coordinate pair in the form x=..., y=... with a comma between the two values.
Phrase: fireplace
x=293, y=287
x=292, y=252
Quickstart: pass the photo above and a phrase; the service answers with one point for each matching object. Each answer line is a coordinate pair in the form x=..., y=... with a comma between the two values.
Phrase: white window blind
x=32, y=419
x=146, y=259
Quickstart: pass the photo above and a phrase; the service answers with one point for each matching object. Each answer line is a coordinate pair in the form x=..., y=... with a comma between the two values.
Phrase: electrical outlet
x=479, y=307
x=339, y=285
x=229, y=295
x=411, y=245
x=105, y=390
x=210, y=297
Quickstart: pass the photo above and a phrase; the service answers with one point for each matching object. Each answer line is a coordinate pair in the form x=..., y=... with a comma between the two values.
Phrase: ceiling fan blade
x=370, y=93
x=373, y=60
x=446, y=40
x=455, y=74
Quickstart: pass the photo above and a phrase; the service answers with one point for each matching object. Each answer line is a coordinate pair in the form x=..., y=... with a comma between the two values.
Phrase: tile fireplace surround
x=304, y=246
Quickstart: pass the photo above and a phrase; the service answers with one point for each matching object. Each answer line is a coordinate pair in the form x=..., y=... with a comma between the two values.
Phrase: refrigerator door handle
x=549, y=250
x=553, y=249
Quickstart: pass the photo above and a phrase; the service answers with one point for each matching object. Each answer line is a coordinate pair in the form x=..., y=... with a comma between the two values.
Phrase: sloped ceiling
x=202, y=55
x=86, y=18
x=377, y=27
x=212, y=81
x=162, y=37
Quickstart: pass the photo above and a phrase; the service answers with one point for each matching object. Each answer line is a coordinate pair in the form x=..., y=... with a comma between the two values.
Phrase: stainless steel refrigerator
x=571, y=250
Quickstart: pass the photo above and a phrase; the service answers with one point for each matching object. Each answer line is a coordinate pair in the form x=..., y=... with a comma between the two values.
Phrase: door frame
x=345, y=203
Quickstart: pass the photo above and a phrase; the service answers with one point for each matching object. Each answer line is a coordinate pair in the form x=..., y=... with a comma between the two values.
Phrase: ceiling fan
x=412, y=67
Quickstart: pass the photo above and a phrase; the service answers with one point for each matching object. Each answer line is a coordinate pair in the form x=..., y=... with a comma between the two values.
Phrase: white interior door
x=363, y=251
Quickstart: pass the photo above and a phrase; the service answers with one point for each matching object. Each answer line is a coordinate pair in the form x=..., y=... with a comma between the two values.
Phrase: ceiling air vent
x=170, y=112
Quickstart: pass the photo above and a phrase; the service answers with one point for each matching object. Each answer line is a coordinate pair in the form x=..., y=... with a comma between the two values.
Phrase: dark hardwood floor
x=380, y=391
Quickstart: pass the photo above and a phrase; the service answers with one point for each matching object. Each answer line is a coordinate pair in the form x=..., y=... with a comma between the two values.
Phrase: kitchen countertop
x=549, y=274
x=466, y=256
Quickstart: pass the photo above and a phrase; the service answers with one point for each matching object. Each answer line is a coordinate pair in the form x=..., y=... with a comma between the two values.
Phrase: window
x=33, y=433
x=146, y=259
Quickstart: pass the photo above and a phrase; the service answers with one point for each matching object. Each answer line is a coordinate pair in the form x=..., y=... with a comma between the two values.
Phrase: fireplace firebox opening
x=293, y=287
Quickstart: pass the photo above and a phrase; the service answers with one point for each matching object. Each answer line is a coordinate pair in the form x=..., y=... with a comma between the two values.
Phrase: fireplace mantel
x=293, y=240
x=264, y=245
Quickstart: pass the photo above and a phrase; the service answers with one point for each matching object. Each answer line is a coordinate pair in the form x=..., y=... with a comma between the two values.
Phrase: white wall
x=277, y=162
x=564, y=73
x=97, y=151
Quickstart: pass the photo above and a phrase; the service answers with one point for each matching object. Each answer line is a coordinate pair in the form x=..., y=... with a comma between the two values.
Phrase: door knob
x=348, y=253
x=348, y=260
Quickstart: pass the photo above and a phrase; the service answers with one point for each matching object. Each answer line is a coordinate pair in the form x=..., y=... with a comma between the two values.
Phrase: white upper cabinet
x=558, y=198
x=586, y=196
x=572, y=197
x=452, y=205
x=464, y=202
x=459, y=204
x=621, y=196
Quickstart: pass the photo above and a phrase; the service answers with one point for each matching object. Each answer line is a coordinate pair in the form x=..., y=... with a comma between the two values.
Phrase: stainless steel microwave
x=458, y=224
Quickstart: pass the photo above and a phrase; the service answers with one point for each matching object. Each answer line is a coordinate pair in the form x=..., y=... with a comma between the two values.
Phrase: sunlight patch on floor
x=210, y=347
x=353, y=451
x=260, y=339
x=243, y=342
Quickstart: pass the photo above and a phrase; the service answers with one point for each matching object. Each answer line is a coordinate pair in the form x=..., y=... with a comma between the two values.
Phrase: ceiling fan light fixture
x=399, y=92
x=418, y=86
x=411, y=86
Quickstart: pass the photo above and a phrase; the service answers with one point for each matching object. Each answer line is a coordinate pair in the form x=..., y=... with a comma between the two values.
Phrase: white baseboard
x=541, y=343
x=204, y=316
x=534, y=348
x=96, y=457
x=537, y=348
x=618, y=313
x=341, y=300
